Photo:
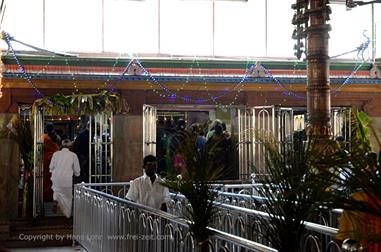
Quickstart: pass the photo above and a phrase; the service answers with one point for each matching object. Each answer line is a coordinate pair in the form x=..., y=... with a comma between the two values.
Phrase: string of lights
x=72, y=76
x=172, y=95
x=21, y=67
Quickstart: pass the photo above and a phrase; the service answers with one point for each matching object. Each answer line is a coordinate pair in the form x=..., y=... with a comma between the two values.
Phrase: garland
x=82, y=104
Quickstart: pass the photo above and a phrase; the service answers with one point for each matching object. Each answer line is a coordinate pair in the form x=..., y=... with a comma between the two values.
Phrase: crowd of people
x=148, y=189
x=64, y=158
x=170, y=140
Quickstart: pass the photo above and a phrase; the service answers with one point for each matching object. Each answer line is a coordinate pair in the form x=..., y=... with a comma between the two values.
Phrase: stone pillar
x=128, y=147
x=318, y=87
x=9, y=176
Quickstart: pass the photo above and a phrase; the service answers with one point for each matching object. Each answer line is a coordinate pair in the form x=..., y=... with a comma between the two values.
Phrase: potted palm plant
x=293, y=193
x=195, y=183
x=357, y=175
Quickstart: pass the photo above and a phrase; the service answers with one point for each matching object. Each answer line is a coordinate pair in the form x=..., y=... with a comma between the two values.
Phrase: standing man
x=81, y=148
x=62, y=166
x=146, y=189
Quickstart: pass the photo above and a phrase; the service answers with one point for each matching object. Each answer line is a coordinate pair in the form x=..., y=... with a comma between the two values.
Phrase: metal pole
x=318, y=87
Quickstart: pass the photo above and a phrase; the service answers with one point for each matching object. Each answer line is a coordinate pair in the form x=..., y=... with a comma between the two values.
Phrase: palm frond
x=195, y=184
x=292, y=191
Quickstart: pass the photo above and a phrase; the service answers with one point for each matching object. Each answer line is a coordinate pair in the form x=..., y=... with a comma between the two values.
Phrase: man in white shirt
x=62, y=166
x=147, y=190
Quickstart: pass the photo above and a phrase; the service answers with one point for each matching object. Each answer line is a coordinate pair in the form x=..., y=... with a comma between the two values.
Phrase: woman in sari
x=50, y=146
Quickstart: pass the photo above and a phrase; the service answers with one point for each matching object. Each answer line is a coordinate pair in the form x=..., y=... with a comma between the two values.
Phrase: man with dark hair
x=147, y=189
x=81, y=148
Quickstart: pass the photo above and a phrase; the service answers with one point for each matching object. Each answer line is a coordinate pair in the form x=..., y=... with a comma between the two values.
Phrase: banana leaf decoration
x=82, y=104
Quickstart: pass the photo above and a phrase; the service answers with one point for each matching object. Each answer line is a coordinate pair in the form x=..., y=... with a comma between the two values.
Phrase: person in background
x=50, y=147
x=223, y=152
x=212, y=128
x=201, y=139
x=63, y=165
x=146, y=189
x=81, y=148
x=175, y=159
x=164, y=132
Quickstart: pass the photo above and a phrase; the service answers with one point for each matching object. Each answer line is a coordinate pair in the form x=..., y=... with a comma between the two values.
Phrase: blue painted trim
x=209, y=79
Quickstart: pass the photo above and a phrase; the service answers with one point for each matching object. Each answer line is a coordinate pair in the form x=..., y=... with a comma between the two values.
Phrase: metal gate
x=38, y=155
x=258, y=124
x=285, y=125
x=100, y=148
x=149, y=130
x=341, y=123
x=100, y=154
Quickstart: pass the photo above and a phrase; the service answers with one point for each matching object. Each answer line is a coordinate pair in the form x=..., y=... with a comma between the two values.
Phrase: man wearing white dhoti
x=62, y=166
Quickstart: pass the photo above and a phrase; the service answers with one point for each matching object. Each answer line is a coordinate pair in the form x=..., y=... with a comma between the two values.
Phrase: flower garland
x=82, y=104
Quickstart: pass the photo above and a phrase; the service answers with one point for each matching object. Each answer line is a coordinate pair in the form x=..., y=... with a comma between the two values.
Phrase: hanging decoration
x=173, y=95
x=82, y=104
x=236, y=87
x=7, y=39
x=135, y=67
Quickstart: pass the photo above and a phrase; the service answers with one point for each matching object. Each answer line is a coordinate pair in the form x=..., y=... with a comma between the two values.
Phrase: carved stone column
x=318, y=86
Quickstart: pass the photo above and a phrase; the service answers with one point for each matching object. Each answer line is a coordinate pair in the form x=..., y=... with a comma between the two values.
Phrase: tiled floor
x=55, y=249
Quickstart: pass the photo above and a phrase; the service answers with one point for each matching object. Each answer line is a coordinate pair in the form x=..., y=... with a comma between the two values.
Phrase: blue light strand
x=287, y=91
x=360, y=52
x=21, y=67
x=110, y=86
x=172, y=95
x=214, y=98
x=346, y=81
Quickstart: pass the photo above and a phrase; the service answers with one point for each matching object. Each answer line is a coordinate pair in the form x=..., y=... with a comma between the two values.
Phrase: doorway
x=98, y=143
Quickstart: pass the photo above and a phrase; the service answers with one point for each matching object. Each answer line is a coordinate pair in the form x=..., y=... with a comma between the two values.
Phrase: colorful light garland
x=5, y=35
x=172, y=95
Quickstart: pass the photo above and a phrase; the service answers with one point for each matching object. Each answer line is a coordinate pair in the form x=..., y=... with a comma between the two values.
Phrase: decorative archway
x=100, y=108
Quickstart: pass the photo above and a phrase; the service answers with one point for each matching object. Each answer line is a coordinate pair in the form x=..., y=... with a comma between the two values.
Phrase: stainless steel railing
x=104, y=222
x=234, y=216
x=243, y=195
x=245, y=223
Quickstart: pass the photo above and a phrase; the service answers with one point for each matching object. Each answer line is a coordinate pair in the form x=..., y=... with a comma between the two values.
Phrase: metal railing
x=103, y=222
x=245, y=223
x=235, y=216
x=247, y=196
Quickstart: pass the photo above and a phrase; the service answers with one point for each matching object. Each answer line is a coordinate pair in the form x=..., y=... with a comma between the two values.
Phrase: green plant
x=195, y=184
x=82, y=104
x=353, y=174
x=293, y=193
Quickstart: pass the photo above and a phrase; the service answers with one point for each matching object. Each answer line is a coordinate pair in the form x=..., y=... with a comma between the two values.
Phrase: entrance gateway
x=243, y=123
x=100, y=153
